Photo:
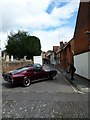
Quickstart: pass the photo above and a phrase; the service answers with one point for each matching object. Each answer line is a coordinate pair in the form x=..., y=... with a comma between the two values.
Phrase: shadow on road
x=16, y=85
x=9, y=85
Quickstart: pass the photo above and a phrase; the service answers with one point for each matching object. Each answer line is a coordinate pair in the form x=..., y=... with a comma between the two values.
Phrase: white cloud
x=66, y=11
x=52, y=38
x=31, y=15
x=3, y=38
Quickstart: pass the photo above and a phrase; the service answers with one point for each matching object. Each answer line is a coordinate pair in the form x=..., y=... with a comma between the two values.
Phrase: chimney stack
x=61, y=43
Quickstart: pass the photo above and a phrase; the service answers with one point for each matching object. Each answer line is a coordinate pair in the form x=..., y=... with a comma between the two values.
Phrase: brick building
x=55, y=48
x=68, y=54
x=65, y=54
x=82, y=40
x=77, y=50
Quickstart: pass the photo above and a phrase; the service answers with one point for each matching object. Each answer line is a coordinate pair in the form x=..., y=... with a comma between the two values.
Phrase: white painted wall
x=38, y=59
x=82, y=65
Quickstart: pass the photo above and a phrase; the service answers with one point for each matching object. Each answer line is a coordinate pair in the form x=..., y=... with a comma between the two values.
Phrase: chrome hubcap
x=26, y=82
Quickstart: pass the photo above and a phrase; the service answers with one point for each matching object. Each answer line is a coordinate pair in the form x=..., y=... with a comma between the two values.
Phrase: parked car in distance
x=28, y=74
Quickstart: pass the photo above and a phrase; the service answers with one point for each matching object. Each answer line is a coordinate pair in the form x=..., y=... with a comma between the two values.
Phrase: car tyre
x=52, y=77
x=26, y=82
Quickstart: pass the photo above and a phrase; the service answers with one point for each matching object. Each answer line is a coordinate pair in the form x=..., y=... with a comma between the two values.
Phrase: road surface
x=47, y=99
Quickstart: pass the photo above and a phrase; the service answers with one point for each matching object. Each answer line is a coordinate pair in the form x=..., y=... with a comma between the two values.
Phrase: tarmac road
x=46, y=99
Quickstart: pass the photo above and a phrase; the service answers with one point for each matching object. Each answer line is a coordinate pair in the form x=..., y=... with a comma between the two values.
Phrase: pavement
x=82, y=84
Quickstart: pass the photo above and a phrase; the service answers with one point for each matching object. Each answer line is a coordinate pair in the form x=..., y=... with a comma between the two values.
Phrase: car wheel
x=52, y=77
x=26, y=82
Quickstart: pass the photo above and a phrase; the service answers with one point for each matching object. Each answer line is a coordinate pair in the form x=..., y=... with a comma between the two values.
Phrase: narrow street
x=44, y=99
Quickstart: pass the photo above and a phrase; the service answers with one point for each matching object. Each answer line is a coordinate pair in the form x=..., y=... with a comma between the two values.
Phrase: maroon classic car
x=27, y=74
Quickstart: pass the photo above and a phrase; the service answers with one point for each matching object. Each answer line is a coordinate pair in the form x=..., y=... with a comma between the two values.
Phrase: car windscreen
x=19, y=70
x=37, y=65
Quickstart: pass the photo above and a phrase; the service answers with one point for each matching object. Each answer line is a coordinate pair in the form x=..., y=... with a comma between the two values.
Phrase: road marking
x=78, y=91
x=85, y=89
x=72, y=85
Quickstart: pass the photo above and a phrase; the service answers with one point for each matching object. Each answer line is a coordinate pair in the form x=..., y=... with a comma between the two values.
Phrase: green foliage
x=22, y=44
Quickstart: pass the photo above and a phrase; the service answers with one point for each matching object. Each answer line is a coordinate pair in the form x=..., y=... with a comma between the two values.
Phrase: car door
x=40, y=73
x=31, y=74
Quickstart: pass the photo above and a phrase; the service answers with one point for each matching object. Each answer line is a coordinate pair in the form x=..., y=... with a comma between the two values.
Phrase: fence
x=11, y=65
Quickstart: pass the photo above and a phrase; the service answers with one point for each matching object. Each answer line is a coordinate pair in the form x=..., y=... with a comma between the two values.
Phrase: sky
x=51, y=21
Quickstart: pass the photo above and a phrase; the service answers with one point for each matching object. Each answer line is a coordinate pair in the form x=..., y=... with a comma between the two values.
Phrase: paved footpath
x=80, y=83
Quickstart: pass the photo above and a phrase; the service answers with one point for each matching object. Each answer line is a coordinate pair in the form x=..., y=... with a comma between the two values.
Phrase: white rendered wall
x=38, y=59
x=82, y=65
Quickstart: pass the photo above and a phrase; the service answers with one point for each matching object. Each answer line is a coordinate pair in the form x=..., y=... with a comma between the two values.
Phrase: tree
x=21, y=44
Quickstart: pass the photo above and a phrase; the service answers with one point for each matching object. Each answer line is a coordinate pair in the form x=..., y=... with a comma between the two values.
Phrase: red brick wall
x=89, y=22
x=67, y=55
x=61, y=59
x=82, y=25
x=64, y=59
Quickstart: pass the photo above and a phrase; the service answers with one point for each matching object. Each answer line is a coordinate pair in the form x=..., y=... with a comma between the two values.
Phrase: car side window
x=37, y=69
x=30, y=71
